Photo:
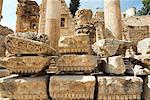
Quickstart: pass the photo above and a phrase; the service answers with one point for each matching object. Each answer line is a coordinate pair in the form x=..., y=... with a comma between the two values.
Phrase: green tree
x=145, y=10
x=74, y=6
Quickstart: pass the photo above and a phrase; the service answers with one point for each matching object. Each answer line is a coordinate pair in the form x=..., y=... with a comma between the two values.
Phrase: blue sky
x=9, y=9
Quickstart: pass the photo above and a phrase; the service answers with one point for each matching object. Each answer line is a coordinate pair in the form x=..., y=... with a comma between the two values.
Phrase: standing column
x=1, y=6
x=112, y=15
x=52, y=24
x=42, y=17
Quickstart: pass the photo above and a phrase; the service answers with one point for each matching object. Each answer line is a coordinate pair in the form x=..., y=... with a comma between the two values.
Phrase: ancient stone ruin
x=98, y=59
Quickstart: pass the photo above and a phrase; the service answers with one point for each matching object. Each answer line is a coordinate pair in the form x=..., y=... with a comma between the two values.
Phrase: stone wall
x=27, y=16
x=3, y=32
x=136, y=28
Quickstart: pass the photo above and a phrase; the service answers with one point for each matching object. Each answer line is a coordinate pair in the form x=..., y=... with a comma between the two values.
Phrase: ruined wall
x=4, y=31
x=136, y=28
x=27, y=16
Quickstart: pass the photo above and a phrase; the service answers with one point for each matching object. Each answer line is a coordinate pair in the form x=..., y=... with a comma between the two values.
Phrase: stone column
x=1, y=5
x=42, y=17
x=18, y=20
x=52, y=24
x=112, y=15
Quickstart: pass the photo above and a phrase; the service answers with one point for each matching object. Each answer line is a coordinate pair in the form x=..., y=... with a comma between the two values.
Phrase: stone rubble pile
x=78, y=71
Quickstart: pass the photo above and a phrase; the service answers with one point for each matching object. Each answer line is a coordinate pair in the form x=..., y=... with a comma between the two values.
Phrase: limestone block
x=72, y=87
x=83, y=16
x=77, y=63
x=145, y=59
x=146, y=93
x=33, y=36
x=139, y=70
x=115, y=65
x=26, y=88
x=74, y=44
x=20, y=45
x=143, y=46
x=108, y=47
x=26, y=64
x=4, y=72
x=119, y=88
x=86, y=29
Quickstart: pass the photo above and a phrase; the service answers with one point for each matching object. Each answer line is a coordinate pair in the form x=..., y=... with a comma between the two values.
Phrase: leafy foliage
x=74, y=6
x=145, y=10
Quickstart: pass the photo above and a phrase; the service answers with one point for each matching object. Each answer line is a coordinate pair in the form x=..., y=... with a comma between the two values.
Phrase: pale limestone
x=25, y=64
x=146, y=94
x=145, y=59
x=24, y=88
x=77, y=63
x=140, y=70
x=108, y=47
x=52, y=23
x=112, y=17
x=4, y=72
x=27, y=16
x=74, y=44
x=143, y=46
x=119, y=88
x=20, y=45
x=83, y=16
x=72, y=87
x=115, y=65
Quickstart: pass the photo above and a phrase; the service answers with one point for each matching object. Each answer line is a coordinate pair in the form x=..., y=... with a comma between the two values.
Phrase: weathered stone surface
x=138, y=70
x=115, y=65
x=2, y=51
x=108, y=47
x=33, y=36
x=145, y=59
x=27, y=15
x=74, y=44
x=4, y=72
x=143, y=46
x=146, y=93
x=26, y=64
x=72, y=87
x=83, y=16
x=75, y=63
x=24, y=88
x=5, y=30
x=119, y=88
x=19, y=45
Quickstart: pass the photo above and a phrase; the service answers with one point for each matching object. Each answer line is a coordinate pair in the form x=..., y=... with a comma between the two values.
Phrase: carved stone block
x=146, y=93
x=74, y=44
x=77, y=63
x=24, y=88
x=108, y=47
x=26, y=64
x=19, y=45
x=119, y=88
x=72, y=87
